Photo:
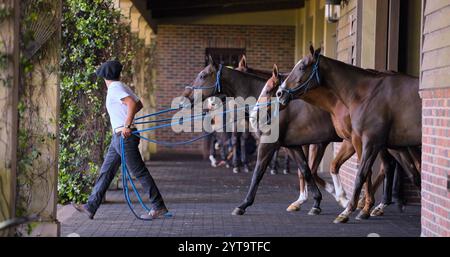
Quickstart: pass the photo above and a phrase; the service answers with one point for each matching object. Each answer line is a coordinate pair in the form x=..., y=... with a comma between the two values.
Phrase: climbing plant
x=91, y=34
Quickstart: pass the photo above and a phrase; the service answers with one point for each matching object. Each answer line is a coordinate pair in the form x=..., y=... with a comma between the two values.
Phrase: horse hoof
x=238, y=212
x=293, y=208
x=377, y=212
x=314, y=211
x=343, y=202
x=363, y=216
x=361, y=204
x=341, y=219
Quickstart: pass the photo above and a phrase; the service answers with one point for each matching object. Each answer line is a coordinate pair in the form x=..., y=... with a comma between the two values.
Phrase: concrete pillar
x=125, y=9
x=308, y=19
x=318, y=21
x=134, y=16
x=9, y=84
x=299, y=40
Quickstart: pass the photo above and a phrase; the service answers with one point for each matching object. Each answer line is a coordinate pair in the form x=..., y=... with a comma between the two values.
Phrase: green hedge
x=91, y=34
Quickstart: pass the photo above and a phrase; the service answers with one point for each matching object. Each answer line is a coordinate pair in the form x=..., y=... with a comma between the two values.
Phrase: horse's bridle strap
x=217, y=86
x=305, y=85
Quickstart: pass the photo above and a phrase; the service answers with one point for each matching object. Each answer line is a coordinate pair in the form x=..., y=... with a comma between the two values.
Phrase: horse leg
x=303, y=197
x=300, y=158
x=387, y=171
x=316, y=153
x=408, y=161
x=368, y=151
x=405, y=160
x=416, y=155
x=345, y=152
x=265, y=153
x=305, y=149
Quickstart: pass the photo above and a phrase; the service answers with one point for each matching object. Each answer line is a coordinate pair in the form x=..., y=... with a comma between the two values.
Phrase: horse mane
x=249, y=75
x=372, y=72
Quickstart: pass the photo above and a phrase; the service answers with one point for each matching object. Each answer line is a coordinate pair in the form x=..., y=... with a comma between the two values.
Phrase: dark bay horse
x=300, y=124
x=384, y=108
x=341, y=120
x=313, y=153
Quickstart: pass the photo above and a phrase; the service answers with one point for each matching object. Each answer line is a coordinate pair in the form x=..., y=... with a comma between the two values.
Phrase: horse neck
x=323, y=98
x=260, y=73
x=347, y=82
x=236, y=83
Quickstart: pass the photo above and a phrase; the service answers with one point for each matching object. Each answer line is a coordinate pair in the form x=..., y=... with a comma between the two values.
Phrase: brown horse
x=312, y=126
x=341, y=121
x=313, y=153
x=385, y=109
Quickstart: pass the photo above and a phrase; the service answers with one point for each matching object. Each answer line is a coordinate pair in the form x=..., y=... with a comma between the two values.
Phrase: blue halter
x=305, y=85
x=217, y=86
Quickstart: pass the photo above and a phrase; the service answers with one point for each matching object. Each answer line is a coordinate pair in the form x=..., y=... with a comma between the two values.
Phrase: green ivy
x=91, y=34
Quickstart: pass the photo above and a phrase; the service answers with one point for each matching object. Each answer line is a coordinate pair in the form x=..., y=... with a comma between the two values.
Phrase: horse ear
x=311, y=48
x=243, y=62
x=318, y=51
x=275, y=71
x=210, y=60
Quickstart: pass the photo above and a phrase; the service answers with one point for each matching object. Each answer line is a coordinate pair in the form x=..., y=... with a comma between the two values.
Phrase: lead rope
x=127, y=177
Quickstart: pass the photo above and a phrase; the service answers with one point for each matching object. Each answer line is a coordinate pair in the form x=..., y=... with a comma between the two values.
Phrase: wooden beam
x=220, y=7
x=393, y=35
x=9, y=73
x=142, y=7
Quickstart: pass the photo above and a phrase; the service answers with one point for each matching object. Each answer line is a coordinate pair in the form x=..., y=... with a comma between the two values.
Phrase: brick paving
x=201, y=199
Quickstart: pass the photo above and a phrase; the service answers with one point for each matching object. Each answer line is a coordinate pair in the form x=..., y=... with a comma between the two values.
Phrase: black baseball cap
x=110, y=70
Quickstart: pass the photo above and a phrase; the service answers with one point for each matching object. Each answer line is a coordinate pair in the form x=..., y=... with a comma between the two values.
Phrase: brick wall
x=181, y=53
x=435, y=162
x=435, y=93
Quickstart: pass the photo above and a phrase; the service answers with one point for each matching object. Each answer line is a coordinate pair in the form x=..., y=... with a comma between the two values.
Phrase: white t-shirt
x=116, y=109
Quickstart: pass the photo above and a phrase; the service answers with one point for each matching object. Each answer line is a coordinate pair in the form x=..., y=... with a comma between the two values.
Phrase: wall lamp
x=333, y=10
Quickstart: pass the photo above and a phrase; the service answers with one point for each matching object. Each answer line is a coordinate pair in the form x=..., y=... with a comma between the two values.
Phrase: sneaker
x=236, y=170
x=213, y=161
x=154, y=214
x=273, y=172
x=286, y=172
x=246, y=169
x=83, y=209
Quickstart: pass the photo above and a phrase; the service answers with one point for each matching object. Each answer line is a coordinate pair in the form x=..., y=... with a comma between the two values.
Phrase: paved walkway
x=202, y=198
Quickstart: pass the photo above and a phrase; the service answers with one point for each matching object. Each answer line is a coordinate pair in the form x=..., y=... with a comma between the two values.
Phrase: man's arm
x=139, y=106
x=133, y=108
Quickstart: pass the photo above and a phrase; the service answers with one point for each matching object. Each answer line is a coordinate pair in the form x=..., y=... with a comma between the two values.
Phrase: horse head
x=264, y=99
x=207, y=81
x=303, y=77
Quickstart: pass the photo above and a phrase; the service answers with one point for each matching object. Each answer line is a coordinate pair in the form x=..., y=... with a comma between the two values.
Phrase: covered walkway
x=202, y=198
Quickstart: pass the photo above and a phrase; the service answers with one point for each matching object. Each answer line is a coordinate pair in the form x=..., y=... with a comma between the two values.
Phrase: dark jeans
x=274, y=162
x=239, y=141
x=135, y=166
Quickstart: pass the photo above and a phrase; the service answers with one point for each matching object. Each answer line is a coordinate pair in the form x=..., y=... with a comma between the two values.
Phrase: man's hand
x=126, y=132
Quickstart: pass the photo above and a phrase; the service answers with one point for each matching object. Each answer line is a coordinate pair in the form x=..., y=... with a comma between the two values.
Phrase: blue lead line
x=127, y=177
x=196, y=117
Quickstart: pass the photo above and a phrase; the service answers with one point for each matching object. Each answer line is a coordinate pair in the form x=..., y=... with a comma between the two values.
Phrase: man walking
x=122, y=105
